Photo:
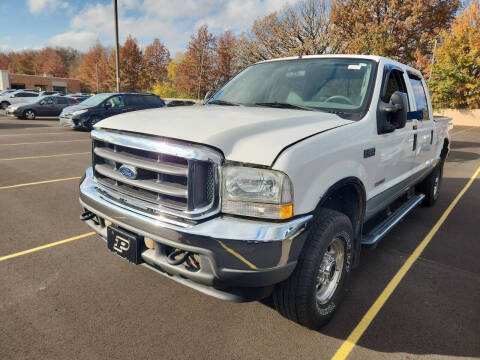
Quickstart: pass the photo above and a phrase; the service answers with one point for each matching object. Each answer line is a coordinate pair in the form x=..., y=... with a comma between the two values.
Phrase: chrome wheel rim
x=436, y=186
x=29, y=115
x=330, y=271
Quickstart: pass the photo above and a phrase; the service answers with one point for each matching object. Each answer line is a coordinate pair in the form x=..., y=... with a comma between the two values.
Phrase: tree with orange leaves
x=402, y=30
x=94, y=66
x=196, y=71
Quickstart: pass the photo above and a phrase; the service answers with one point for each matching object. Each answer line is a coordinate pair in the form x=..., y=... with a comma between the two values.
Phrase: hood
x=247, y=134
x=70, y=109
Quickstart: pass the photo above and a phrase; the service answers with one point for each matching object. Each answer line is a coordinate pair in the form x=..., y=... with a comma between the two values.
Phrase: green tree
x=455, y=80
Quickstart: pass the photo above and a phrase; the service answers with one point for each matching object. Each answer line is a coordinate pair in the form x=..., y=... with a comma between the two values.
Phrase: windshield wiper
x=285, y=105
x=222, y=102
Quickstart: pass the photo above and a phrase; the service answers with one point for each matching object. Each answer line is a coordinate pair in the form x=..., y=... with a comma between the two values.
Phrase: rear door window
x=419, y=95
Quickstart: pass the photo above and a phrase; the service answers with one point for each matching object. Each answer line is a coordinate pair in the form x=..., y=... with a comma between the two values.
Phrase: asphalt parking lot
x=76, y=300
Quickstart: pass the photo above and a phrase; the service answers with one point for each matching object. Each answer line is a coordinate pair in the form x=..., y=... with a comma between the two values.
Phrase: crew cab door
x=424, y=151
x=394, y=146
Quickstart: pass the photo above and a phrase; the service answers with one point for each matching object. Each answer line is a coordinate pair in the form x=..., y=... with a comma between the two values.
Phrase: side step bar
x=382, y=229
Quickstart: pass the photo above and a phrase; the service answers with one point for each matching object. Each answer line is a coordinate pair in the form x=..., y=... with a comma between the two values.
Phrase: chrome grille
x=172, y=177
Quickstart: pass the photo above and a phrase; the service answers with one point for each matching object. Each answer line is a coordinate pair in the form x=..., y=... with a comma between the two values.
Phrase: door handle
x=414, y=142
x=415, y=127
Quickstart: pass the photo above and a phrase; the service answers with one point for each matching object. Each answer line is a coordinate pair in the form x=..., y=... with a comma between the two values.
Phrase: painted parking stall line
x=44, y=156
x=45, y=142
x=38, y=183
x=355, y=335
x=46, y=246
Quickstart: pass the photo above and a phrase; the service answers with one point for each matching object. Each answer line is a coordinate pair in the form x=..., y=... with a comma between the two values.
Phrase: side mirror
x=208, y=95
x=107, y=106
x=393, y=115
x=42, y=102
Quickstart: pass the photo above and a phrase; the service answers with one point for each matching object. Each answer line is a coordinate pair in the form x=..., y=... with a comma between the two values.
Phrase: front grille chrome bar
x=171, y=177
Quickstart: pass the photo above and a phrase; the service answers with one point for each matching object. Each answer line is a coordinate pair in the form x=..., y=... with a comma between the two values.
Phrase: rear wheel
x=29, y=114
x=431, y=185
x=318, y=284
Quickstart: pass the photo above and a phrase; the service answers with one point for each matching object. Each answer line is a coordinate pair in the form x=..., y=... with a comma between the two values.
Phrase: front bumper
x=10, y=112
x=240, y=259
x=66, y=121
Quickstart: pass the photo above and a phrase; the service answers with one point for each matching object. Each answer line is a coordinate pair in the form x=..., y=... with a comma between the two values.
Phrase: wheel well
x=348, y=197
x=445, y=149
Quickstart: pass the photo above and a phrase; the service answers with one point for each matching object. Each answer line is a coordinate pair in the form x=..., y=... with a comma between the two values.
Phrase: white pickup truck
x=272, y=187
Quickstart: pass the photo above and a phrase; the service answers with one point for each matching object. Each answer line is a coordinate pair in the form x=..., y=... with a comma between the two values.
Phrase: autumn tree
x=226, y=63
x=157, y=58
x=455, y=80
x=196, y=70
x=132, y=67
x=402, y=30
x=47, y=61
x=71, y=58
x=302, y=28
x=94, y=63
x=6, y=59
x=22, y=63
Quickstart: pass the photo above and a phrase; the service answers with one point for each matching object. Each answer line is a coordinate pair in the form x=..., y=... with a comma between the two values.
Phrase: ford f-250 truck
x=272, y=187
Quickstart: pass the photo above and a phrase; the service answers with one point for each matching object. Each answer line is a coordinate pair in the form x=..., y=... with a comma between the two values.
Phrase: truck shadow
x=434, y=310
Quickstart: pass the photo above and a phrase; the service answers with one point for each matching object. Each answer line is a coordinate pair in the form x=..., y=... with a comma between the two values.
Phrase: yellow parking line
x=40, y=133
x=44, y=156
x=11, y=256
x=45, y=142
x=362, y=326
x=38, y=183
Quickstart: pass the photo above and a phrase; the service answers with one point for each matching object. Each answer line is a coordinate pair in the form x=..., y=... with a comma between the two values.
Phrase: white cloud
x=240, y=14
x=81, y=40
x=39, y=6
x=171, y=21
x=169, y=9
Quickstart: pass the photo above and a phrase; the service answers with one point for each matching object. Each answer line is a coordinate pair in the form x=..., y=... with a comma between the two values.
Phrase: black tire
x=431, y=185
x=4, y=104
x=29, y=114
x=296, y=297
x=88, y=125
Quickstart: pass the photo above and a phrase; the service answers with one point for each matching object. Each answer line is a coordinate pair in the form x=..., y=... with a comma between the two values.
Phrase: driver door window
x=116, y=102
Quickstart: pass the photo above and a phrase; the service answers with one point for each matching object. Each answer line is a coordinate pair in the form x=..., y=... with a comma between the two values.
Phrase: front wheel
x=318, y=284
x=4, y=105
x=29, y=114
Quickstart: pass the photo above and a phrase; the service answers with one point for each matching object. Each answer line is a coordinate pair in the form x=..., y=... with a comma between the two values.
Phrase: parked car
x=43, y=106
x=273, y=186
x=101, y=106
x=4, y=92
x=16, y=97
x=46, y=93
x=172, y=103
x=78, y=98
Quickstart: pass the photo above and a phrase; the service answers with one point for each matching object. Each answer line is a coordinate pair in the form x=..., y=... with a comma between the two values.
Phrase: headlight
x=79, y=112
x=256, y=192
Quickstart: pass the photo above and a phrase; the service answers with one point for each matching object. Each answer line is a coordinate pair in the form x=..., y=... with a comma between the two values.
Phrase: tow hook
x=87, y=215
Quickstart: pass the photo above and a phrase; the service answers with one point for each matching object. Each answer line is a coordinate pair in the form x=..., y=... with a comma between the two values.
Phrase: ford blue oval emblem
x=130, y=172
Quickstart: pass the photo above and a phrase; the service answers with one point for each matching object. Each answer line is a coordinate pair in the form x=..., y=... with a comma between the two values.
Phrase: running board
x=382, y=229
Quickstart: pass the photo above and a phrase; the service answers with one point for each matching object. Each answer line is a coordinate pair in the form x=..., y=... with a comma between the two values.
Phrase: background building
x=45, y=82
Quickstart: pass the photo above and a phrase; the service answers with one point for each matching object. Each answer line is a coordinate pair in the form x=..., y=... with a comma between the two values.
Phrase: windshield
x=337, y=85
x=96, y=99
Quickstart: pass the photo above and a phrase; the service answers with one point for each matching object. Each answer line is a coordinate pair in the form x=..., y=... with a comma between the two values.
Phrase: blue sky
x=76, y=23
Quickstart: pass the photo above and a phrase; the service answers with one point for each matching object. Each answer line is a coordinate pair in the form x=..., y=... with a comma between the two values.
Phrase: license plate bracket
x=125, y=244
